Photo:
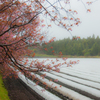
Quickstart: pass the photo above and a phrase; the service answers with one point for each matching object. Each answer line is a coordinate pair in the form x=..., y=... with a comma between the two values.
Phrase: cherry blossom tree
x=20, y=26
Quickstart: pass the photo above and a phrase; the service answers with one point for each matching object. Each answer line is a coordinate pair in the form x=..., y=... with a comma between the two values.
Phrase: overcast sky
x=90, y=22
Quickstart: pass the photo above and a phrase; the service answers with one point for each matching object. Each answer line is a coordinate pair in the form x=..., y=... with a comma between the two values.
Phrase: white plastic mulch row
x=79, y=80
x=81, y=74
x=47, y=95
x=63, y=90
x=90, y=90
x=86, y=72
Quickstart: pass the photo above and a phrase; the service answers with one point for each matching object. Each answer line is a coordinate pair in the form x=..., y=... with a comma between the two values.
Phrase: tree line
x=89, y=46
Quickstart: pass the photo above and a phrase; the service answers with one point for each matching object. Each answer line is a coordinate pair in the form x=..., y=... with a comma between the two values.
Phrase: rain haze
x=90, y=21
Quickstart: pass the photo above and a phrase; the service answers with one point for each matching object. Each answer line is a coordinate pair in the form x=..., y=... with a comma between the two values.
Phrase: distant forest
x=89, y=46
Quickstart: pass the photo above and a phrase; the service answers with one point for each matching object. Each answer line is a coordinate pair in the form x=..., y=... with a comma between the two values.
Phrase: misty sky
x=90, y=22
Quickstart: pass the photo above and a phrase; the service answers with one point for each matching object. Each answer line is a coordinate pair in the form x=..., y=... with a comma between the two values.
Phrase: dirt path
x=17, y=90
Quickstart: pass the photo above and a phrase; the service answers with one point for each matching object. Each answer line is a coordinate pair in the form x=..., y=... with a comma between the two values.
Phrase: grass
x=3, y=91
x=46, y=56
x=68, y=56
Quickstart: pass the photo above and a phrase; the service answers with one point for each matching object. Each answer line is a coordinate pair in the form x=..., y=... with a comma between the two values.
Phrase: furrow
x=74, y=88
x=51, y=90
x=80, y=77
x=76, y=81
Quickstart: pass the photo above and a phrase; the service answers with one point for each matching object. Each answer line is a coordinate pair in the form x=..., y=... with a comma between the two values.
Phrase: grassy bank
x=68, y=56
x=3, y=91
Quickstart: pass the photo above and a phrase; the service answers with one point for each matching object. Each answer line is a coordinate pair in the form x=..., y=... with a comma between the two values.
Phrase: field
x=79, y=82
